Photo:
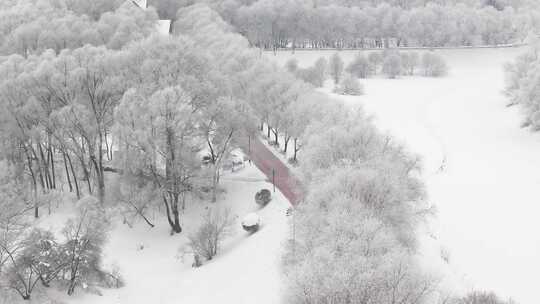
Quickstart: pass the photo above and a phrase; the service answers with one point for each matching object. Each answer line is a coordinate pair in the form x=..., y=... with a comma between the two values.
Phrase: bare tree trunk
x=183, y=201
x=45, y=167
x=86, y=176
x=286, y=144
x=74, y=176
x=177, y=228
x=71, y=288
x=34, y=184
x=41, y=180
x=215, y=183
x=51, y=159
x=98, y=164
x=296, y=149
x=52, y=168
x=67, y=171
x=172, y=207
x=100, y=180
x=106, y=146
x=111, y=151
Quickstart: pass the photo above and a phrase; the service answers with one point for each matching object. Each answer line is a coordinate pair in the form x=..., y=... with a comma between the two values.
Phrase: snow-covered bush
x=292, y=65
x=263, y=197
x=37, y=259
x=350, y=86
x=391, y=65
x=316, y=74
x=409, y=62
x=113, y=278
x=205, y=241
x=320, y=71
x=310, y=76
x=251, y=222
x=481, y=297
x=523, y=85
x=360, y=66
x=85, y=236
x=20, y=277
x=45, y=255
x=433, y=65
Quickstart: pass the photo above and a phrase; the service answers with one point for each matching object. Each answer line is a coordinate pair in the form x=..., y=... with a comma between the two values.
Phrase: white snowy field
x=488, y=191
x=246, y=269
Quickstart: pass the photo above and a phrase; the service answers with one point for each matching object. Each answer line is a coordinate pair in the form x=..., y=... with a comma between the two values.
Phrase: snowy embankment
x=156, y=270
x=481, y=168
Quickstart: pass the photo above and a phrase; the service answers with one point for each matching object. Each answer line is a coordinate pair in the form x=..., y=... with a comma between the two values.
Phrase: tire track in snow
x=427, y=120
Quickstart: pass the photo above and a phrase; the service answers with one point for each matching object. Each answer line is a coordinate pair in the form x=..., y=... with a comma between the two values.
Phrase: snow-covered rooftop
x=164, y=27
x=141, y=3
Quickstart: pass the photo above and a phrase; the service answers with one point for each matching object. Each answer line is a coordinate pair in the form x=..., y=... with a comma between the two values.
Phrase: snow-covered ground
x=246, y=269
x=481, y=169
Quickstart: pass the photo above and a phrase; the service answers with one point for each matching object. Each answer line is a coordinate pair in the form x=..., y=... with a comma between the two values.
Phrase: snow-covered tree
x=308, y=108
x=409, y=62
x=316, y=74
x=335, y=68
x=207, y=239
x=159, y=136
x=360, y=66
x=292, y=65
x=522, y=85
x=320, y=69
x=433, y=65
x=223, y=124
x=392, y=65
x=375, y=60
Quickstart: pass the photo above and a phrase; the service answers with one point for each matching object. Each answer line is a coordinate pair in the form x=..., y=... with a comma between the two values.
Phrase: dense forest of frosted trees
x=306, y=25
x=273, y=24
x=31, y=27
